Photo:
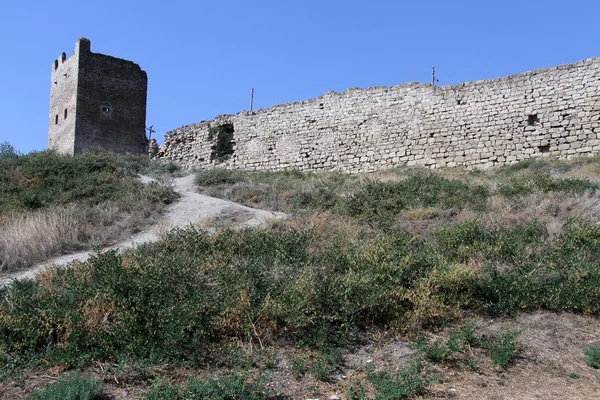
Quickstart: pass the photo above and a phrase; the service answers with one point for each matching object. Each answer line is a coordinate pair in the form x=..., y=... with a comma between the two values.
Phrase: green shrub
x=383, y=201
x=503, y=348
x=560, y=275
x=218, y=176
x=7, y=151
x=442, y=350
x=181, y=298
x=318, y=363
x=527, y=182
x=406, y=383
x=229, y=386
x=592, y=355
x=74, y=387
x=319, y=199
x=43, y=179
x=470, y=239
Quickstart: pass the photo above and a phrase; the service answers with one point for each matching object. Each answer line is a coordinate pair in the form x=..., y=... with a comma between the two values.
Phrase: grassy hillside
x=417, y=262
x=51, y=203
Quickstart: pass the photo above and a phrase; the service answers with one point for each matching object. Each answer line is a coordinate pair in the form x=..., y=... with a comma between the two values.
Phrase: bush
x=383, y=201
x=503, y=348
x=74, y=387
x=406, y=383
x=51, y=203
x=527, y=182
x=7, y=151
x=229, y=386
x=218, y=176
x=181, y=298
x=592, y=355
x=43, y=179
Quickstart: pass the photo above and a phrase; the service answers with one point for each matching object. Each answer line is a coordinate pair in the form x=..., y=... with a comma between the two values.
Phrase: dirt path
x=192, y=208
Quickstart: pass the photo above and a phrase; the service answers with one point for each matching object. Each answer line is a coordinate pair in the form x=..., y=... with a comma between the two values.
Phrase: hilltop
x=407, y=283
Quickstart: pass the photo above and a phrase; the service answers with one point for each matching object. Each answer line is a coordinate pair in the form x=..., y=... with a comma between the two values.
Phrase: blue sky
x=203, y=57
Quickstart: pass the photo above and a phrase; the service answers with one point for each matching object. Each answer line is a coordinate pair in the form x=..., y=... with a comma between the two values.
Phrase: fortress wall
x=551, y=112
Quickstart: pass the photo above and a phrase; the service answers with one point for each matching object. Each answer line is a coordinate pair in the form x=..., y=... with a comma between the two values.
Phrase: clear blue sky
x=203, y=57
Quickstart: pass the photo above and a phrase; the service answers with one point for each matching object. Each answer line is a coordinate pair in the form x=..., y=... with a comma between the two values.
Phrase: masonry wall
x=63, y=103
x=550, y=112
x=105, y=99
x=111, y=104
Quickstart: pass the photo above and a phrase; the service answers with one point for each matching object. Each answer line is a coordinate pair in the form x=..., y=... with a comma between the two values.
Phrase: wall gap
x=223, y=149
x=532, y=119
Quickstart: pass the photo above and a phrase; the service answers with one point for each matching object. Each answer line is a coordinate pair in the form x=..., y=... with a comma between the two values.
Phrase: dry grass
x=32, y=237
x=549, y=365
x=552, y=209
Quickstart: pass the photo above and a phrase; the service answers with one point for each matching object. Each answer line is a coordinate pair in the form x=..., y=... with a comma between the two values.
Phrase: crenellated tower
x=96, y=101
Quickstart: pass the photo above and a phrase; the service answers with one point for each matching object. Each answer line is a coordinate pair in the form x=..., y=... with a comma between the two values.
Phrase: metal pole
x=251, y=99
x=432, y=76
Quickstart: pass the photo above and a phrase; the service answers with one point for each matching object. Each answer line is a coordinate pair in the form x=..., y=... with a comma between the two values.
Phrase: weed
x=320, y=286
x=356, y=391
x=503, y=348
x=592, y=355
x=217, y=176
x=228, y=386
x=299, y=365
x=405, y=383
x=527, y=182
x=443, y=350
x=381, y=202
x=74, y=387
x=438, y=351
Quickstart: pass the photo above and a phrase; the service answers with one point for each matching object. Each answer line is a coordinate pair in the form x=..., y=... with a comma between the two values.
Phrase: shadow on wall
x=223, y=148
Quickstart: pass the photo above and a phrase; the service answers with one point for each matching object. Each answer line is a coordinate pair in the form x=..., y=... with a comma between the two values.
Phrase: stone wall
x=104, y=99
x=550, y=112
x=63, y=103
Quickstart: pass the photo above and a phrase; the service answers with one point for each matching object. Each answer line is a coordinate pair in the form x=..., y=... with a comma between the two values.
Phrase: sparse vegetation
x=503, y=348
x=74, y=387
x=592, y=355
x=234, y=386
x=407, y=254
x=50, y=203
x=402, y=384
x=500, y=348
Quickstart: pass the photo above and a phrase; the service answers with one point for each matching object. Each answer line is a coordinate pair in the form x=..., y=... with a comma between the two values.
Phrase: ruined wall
x=105, y=98
x=551, y=112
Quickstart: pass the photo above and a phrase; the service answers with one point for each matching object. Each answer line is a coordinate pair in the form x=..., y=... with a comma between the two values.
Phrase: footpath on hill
x=191, y=208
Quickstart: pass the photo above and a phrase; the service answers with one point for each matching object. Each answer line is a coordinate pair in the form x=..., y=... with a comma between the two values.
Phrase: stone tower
x=96, y=101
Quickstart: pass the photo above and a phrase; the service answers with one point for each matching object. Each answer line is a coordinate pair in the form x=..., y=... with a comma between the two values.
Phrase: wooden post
x=251, y=99
x=150, y=131
x=432, y=76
